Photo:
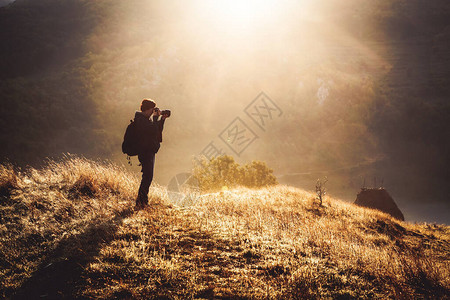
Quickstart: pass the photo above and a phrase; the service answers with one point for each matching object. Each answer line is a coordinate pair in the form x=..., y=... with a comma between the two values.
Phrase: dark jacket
x=150, y=132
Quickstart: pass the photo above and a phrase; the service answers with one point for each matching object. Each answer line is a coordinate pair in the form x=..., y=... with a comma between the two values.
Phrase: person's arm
x=160, y=125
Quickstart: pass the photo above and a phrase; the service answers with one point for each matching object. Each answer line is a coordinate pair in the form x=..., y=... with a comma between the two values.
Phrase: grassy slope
x=68, y=230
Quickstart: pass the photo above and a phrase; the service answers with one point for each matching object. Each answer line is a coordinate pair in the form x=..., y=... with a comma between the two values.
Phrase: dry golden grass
x=69, y=230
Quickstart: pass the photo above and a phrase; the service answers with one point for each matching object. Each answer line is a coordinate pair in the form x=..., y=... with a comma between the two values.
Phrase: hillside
x=68, y=230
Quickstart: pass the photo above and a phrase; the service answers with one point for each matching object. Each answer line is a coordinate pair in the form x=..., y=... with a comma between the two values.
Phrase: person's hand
x=156, y=112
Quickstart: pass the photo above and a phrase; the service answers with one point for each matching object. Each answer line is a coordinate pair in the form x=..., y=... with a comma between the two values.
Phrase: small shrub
x=257, y=174
x=224, y=171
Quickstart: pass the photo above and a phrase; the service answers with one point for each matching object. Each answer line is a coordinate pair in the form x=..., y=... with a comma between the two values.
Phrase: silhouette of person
x=149, y=130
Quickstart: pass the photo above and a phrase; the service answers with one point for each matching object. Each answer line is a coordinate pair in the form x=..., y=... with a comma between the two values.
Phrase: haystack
x=380, y=199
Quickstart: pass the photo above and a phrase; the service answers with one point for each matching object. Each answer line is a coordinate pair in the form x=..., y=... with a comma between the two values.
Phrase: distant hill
x=69, y=231
x=5, y=2
x=42, y=35
x=45, y=99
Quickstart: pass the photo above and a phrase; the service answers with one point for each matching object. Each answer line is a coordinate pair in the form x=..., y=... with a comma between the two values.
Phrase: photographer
x=149, y=130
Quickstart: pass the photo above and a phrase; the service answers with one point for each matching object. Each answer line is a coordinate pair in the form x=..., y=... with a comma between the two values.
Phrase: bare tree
x=321, y=190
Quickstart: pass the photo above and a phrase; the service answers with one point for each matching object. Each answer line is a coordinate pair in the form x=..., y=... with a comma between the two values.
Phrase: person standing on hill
x=149, y=130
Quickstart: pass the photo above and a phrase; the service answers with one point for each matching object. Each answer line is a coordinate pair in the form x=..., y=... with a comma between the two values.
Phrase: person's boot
x=141, y=202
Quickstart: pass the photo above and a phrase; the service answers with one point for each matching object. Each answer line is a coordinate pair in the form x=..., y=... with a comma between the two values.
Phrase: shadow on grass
x=59, y=276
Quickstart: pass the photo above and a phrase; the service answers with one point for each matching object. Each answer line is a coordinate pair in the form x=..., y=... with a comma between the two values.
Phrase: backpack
x=130, y=144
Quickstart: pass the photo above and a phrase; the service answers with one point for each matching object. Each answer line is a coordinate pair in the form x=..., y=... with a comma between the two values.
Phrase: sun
x=234, y=16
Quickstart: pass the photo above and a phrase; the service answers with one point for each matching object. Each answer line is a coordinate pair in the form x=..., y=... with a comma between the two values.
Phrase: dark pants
x=147, y=161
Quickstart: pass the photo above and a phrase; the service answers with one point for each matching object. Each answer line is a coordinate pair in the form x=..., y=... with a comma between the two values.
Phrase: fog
x=207, y=61
x=207, y=67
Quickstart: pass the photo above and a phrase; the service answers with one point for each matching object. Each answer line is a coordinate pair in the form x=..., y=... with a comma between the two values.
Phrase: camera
x=165, y=112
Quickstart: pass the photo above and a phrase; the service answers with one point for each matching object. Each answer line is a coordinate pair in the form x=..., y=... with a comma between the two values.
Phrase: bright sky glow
x=234, y=16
